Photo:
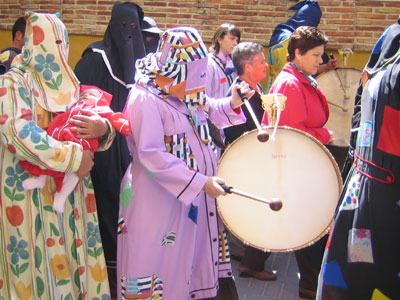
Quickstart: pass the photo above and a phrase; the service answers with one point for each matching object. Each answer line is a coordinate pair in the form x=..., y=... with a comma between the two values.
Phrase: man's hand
x=86, y=164
x=245, y=90
x=212, y=187
x=333, y=64
x=88, y=125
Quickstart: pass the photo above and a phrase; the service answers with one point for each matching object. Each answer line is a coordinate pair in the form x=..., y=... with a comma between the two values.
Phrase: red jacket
x=305, y=108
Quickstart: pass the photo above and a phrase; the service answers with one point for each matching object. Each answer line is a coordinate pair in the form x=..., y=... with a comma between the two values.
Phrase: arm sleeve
x=90, y=68
x=210, y=80
x=21, y=133
x=165, y=168
x=222, y=114
x=106, y=140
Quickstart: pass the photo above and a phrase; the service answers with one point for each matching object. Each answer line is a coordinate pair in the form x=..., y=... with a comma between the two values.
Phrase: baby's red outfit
x=60, y=129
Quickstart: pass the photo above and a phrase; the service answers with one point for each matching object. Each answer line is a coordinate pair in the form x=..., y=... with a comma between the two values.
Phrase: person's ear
x=297, y=53
x=19, y=35
x=247, y=68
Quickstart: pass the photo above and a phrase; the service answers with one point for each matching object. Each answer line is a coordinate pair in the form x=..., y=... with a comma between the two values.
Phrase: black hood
x=386, y=50
x=123, y=41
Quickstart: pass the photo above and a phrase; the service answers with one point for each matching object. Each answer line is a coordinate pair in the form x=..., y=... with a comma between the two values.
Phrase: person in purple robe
x=171, y=241
x=220, y=69
x=221, y=72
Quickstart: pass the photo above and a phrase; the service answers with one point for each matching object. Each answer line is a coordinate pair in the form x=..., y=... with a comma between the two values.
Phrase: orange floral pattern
x=24, y=292
x=59, y=266
x=90, y=203
x=98, y=272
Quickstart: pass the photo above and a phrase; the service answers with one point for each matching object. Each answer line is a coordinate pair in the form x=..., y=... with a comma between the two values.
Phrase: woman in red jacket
x=306, y=109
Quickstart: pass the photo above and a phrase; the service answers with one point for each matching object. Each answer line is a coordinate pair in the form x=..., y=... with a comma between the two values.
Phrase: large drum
x=297, y=169
x=340, y=87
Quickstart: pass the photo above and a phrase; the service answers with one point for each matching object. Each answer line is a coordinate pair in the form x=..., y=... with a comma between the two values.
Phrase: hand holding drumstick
x=216, y=186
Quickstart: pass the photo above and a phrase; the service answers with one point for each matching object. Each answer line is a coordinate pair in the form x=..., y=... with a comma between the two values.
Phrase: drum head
x=297, y=169
x=340, y=88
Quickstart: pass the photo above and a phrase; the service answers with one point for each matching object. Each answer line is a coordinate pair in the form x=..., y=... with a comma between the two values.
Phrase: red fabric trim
x=389, y=179
x=237, y=110
x=389, y=140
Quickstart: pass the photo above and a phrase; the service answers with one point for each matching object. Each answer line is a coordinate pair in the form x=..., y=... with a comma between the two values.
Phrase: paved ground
x=284, y=288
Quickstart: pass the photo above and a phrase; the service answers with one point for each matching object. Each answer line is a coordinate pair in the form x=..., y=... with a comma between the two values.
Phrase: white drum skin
x=297, y=169
x=340, y=88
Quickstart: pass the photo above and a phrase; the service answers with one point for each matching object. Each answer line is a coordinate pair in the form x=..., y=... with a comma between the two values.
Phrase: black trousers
x=308, y=261
x=254, y=258
x=227, y=290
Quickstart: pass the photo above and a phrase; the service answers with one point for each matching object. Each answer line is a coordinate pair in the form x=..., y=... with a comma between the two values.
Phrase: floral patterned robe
x=44, y=255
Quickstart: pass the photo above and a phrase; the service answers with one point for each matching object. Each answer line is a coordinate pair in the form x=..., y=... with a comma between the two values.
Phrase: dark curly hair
x=19, y=25
x=305, y=38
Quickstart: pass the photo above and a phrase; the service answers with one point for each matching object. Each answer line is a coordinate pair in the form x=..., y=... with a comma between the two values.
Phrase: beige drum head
x=340, y=88
x=295, y=168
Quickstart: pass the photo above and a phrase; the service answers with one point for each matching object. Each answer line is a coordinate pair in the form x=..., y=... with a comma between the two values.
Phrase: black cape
x=109, y=65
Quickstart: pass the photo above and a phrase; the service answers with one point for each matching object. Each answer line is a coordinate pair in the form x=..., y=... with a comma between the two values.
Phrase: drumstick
x=341, y=107
x=274, y=204
x=346, y=97
x=262, y=135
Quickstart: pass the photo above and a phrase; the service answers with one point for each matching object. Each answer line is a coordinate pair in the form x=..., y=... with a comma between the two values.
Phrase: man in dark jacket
x=249, y=61
x=18, y=35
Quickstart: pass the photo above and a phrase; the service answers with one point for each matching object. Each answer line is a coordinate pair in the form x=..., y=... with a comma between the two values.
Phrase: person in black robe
x=151, y=34
x=110, y=65
x=362, y=258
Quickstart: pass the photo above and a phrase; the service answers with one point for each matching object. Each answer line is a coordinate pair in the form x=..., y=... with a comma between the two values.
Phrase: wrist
x=108, y=130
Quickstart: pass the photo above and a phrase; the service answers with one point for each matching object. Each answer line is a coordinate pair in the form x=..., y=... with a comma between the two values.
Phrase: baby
x=95, y=100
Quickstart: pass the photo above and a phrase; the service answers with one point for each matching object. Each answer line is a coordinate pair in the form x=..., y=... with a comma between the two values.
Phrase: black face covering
x=123, y=41
x=152, y=44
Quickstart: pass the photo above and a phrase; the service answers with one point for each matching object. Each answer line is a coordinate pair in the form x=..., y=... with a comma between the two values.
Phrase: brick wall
x=354, y=24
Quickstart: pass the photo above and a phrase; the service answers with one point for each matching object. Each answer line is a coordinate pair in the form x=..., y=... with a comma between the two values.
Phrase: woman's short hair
x=305, y=38
x=223, y=30
x=244, y=53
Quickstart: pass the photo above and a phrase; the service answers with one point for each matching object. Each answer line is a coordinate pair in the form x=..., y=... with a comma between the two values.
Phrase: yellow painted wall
x=78, y=43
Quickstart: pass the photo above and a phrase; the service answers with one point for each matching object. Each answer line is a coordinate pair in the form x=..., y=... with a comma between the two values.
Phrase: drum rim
x=338, y=177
